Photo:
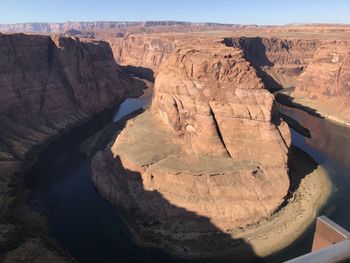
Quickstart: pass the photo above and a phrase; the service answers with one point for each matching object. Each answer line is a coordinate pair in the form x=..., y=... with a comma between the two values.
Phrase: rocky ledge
x=202, y=172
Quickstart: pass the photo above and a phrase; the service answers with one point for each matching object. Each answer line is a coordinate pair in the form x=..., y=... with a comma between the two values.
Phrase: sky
x=261, y=12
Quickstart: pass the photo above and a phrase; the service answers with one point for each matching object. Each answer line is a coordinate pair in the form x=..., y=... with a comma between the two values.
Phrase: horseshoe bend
x=170, y=141
x=207, y=171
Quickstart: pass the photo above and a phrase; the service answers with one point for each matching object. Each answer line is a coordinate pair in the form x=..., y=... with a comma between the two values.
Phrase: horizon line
x=182, y=21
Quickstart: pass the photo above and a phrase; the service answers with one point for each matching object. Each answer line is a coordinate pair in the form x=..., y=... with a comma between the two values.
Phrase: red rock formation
x=326, y=81
x=212, y=147
x=211, y=96
x=142, y=54
x=47, y=85
x=279, y=62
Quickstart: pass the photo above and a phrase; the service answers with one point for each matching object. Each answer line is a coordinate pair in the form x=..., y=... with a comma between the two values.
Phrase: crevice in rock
x=50, y=58
x=217, y=128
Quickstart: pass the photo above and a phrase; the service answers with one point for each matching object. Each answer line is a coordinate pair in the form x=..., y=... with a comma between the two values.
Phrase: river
x=90, y=229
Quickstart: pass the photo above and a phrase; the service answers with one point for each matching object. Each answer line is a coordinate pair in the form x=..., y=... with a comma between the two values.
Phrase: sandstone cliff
x=142, y=54
x=325, y=84
x=279, y=62
x=211, y=96
x=210, y=157
x=47, y=85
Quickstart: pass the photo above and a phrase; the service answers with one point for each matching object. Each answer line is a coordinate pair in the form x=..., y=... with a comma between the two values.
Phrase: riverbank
x=24, y=231
x=289, y=98
x=332, y=114
x=272, y=234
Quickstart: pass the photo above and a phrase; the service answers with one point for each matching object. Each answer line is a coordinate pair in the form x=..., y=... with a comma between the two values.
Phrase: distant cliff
x=47, y=28
x=279, y=62
x=325, y=84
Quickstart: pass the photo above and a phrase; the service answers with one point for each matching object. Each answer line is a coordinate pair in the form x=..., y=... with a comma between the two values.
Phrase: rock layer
x=47, y=85
x=211, y=97
x=212, y=147
x=325, y=84
x=142, y=54
x=279, y=62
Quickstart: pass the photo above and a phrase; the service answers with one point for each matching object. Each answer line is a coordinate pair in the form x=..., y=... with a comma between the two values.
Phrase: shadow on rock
x=141, y=72
x=156, y=222
x=255, y=52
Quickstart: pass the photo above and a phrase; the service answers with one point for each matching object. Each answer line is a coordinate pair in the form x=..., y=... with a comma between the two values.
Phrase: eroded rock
x=325, y=84
x=208, y=158
x=47, y=85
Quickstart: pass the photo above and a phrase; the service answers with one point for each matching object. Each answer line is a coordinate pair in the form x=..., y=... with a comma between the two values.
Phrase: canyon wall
x=325, y=84
x=50, y=83
x=142, y=54
x=279, y=62
x=47, y=85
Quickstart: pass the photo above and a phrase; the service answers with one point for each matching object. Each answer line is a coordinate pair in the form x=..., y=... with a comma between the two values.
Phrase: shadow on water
x=139, y=71
x=81, y=221
x=285, y=99
x=255, y=52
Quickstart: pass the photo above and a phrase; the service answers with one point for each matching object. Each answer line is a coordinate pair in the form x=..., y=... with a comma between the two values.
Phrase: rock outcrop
x=50, y=83
x=142, y=54
x=211, y=97
x=210, y=156
x=47, y=85
x=279, y=62
x=325, y=84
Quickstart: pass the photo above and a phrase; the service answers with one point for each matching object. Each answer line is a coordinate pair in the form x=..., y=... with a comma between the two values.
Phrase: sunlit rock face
x=215, y=99
x=209, y=157
x=326, y=81
x=279, y=61
x=329, y=73
x=142, y=54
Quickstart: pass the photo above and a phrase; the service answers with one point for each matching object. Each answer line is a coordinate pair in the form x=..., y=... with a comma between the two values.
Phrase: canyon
x=208, y=171
x=48, y=85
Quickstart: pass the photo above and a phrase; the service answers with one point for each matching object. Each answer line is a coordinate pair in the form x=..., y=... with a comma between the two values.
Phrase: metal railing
x=331, y=244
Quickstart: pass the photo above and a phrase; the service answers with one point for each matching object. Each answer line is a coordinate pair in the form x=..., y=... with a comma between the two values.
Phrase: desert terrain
x=207, y=171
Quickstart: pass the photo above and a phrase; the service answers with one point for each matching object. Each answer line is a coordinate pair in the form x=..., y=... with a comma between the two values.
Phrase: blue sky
x=222, y=11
